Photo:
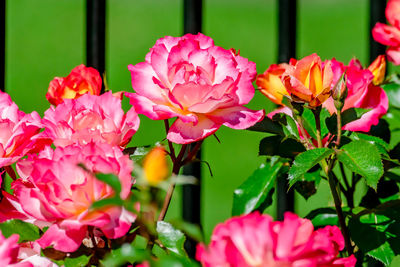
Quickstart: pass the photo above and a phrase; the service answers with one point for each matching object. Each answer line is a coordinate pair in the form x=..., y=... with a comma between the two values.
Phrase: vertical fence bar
x=376, y=14
x=96, y=35
x=287, y=17
x=191, y=194
x=2, y=44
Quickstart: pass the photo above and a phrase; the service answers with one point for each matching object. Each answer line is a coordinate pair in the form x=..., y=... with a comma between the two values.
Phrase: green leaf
x=172, y=260
x=80, y=261
x=171, y=238
x=305, y=161
x=279, y=146
x=110, y=179
x=383, y=253
x=363, y=158
x=127, y=253
x=267, y=126
x=252, y=194
x=289, y=126
x=307, y=186
x=26, y=231
x=115, y=201
x=381, y=145
x=323, y=217
x=140, y=152
x=310, y=124
x=393, y=92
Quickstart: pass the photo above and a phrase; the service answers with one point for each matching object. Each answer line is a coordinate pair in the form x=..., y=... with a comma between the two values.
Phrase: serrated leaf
x=255, y=190
x=267, y=126
x=381, y=145
x=383, y=253
x=173, y=239
x=110, y=179
x=80, y=261
x=305, y=161
x=363, y=158
x=26, y=231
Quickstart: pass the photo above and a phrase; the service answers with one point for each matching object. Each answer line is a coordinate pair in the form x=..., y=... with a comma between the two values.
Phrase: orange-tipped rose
x=155, y=166
x=270, y=83
x=378, y=69
x=80, y=81
x=307, y=81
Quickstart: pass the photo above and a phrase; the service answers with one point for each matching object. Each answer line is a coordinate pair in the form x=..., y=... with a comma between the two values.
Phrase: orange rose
x=307, y=81
x=80, y=81
x=270, y=83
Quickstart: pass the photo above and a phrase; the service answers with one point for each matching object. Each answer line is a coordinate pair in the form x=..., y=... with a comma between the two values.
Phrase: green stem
x=338, y=207
x=177, y=164
x=170, y=145
x=317, y=113
x=339, y=127
x=306, y=141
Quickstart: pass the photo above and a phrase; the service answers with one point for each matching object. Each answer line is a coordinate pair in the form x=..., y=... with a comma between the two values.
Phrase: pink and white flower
x=203, y=85
x=13, y=254
x=55, y=191
x=90, y=118
x=256, y=240
x=18, y=132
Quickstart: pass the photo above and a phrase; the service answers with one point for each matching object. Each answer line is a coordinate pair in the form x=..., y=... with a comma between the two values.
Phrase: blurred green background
x=46, y=38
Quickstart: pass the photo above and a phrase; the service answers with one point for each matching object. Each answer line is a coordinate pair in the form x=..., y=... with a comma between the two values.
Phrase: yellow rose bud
x=378, y=69
x=155, y=166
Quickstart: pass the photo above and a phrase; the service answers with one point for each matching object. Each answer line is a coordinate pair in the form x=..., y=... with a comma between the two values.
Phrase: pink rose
x=19, y=132
x=80, y=81
x=204, y=85
x=90, y=118
x=362, y=93
x=256, y=240
x=54, y=191
x=13, y=254
x=390, y=35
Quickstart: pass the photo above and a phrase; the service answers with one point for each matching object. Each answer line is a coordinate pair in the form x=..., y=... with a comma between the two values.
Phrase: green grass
x=45, y=38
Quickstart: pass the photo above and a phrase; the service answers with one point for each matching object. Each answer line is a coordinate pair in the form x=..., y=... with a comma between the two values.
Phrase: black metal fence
x=287, y=20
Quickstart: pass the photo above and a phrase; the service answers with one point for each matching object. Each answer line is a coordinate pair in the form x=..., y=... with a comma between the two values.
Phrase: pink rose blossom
x=19, y=132
x=362, y=93
x=256, y=240
x=13, y=254
x=90, y=118
x=390, y=35
x=54, y=191
x=204, y=85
